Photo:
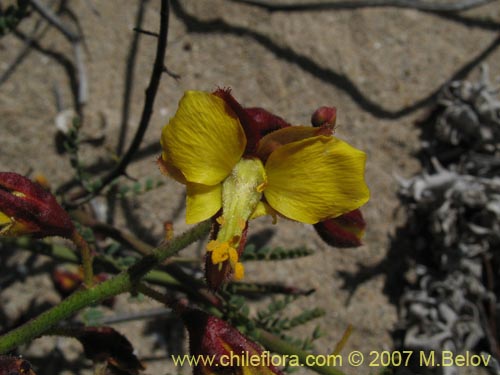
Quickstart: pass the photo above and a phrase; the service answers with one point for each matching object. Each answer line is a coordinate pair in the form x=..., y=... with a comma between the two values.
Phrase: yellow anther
x=233, y=256
x=220, y=251
x=219, y=255
x=212, y=245
x=260, y=188
x=239, y=271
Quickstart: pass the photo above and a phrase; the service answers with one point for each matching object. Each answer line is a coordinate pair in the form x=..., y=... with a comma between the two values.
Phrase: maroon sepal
x=265, y=121
x=105, y=344
x=212, y=337
x=324, y=116
x=343, y=231
x=249, y=127
x=36, y=208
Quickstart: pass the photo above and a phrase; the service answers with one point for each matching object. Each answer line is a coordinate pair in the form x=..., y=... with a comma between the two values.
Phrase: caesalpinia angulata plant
x=237, y=164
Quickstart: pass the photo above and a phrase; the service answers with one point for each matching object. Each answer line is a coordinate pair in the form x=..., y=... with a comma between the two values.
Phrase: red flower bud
x=344, y=231
x=249, y=127
x=256, y=122
x=324, y=116
x=15, y=366
x=27, y=208
x=69, y=278
x=215, y=339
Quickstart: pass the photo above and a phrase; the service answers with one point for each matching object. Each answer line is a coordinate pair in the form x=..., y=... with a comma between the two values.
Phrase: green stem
x=123, y=282
x=280, y=346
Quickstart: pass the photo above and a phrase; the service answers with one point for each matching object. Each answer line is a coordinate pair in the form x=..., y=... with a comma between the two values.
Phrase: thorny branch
x=146, y=112
x=456, y=6
x=123, y=282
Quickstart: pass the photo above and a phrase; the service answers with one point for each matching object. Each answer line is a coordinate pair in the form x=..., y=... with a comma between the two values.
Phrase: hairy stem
x=123, y=282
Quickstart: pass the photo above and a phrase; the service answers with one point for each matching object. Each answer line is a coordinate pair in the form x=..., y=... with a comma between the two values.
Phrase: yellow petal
x=204, y=139
x=202, y=202
x=283, y=136
x=13, y=228
x=4, y=219
x=316, y=179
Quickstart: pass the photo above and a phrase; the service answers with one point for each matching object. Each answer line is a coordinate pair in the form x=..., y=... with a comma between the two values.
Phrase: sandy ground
x=379, y=66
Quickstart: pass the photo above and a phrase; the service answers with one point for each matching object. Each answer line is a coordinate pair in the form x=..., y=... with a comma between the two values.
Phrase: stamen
x=233, y=256
x=261, y=187
x=239, y=271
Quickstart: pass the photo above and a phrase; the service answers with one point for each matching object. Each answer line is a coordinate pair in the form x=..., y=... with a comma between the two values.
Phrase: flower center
x=241, y=192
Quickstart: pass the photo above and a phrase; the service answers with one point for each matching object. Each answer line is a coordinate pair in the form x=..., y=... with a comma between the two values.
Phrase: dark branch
x=456, y=6
x=147, y=111
x=171, y=74
x=146, y=32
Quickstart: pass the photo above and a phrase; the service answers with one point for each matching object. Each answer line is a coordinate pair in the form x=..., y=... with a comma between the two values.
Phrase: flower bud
x=344, y=231
x=27, y=208
x=69, y=278
x=212, y=337
x=324, y=116
x=15, y=366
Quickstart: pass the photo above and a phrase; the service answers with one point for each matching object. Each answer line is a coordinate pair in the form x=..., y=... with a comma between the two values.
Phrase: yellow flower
x=299, y=172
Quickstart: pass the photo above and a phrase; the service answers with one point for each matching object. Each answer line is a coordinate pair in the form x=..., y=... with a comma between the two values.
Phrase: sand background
x=380, y=67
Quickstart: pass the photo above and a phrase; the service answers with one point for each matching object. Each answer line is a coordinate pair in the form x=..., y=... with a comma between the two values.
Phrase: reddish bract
x=214, y=338
x=34, y=208
x=343, y=231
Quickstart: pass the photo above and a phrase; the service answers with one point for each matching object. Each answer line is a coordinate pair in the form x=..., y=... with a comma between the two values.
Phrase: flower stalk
x=123, y=282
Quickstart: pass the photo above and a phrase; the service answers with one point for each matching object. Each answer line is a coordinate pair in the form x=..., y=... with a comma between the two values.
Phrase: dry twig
x=456, y=6
x=147, y=111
